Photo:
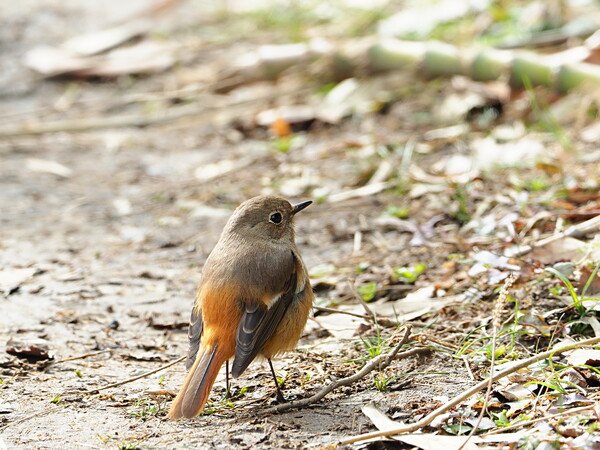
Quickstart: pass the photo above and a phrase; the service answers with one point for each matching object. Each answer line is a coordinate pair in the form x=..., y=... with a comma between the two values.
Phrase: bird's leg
x=280, y=397
x=227, y=391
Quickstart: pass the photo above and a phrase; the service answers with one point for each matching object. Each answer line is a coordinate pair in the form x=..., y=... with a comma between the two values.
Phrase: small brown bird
x=254, y=299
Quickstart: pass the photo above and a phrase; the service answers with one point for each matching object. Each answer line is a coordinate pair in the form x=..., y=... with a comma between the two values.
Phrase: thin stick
x=360, y=299
x=583, y=227
x=466, y=361
x=381, y=362
x=130, y=380
x=338, y=311
x=468, y=393
x=87, y=355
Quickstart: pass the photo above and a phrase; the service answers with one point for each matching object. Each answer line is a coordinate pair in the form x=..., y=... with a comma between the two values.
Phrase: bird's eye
x=275, y=218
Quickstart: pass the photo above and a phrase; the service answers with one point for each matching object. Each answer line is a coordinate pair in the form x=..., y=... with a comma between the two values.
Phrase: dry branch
x=129, y=380
x=380, y=362
x=468, y=393
x=588, y=226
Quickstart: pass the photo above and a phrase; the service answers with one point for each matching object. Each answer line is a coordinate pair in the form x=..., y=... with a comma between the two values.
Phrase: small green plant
x=362, y=267
x=554, y=384
x=461, y=198
x=373, y=344
x=78, y=373
x=409, y=274
x=56, y=400
x=578, y=299
x=536, y=184
x=146, y=407
x=129, y=445
x=283, y=144
x=305, y=379
x=367, y=291
x=214, y=407
x=237, y=392
x=500, y=418
x=556, y=290
x=397, y=211
x=381, y=381
x=545, y=118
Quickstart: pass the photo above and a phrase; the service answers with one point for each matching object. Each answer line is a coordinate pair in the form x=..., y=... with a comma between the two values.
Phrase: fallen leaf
x=427, y=441
x=293, y=116
x=45, y=166
x=582, y=356
x=11, y=279
x=489, y=153
x=379, y=418
x=485, y=260
x=52, y=61
x=341, y=326
x=36, y=350
x=167, y=322
x=593, y=288
x=144, y=356
x=99, y=41
x=564, y=249
x=515, y=392
x=143, y=58
x=415, y=304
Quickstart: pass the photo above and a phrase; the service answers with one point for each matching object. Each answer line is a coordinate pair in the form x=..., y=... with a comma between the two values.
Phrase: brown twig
x=468, y=393
x=575, y=230
x=338, y=311
x=380, y=362
x=130, y=380
x=86, y=355
x=360, y=299
x=469, y=371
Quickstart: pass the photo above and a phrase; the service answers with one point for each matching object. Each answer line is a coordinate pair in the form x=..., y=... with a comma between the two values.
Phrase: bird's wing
x=259, y=322
x=194, y=335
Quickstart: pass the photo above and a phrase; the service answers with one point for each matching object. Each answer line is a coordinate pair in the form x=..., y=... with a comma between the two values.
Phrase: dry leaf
x=11, y=279
x=99, y=41
x=582, y=356
x=415, y=304
x=379, y=418
x=145, y=57
x=36, y=349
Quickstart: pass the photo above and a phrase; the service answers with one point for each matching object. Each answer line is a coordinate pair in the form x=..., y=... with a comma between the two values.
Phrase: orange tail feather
x=197, y=385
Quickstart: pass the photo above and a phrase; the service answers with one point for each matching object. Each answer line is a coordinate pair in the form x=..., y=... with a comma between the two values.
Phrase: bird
x=253, y=300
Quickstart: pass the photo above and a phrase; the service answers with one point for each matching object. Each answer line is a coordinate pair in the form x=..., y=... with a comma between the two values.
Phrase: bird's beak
x=300, y=206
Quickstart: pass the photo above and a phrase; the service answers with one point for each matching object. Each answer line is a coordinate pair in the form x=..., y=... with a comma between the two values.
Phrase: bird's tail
x=197, y=385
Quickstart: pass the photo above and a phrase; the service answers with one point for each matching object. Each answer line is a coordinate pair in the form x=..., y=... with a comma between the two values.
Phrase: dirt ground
x=101, y=256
